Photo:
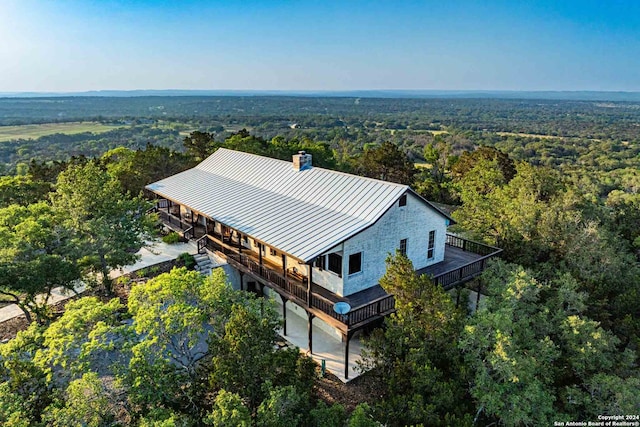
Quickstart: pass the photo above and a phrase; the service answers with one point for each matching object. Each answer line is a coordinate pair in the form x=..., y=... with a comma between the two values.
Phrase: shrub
x=171, y=238
x=187, y=260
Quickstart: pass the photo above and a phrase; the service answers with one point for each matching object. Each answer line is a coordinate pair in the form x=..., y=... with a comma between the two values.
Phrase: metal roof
x=302, y=213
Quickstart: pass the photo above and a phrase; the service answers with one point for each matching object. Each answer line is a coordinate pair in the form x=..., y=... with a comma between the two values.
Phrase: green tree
x=228, y=411
x=535, y=356
x=284, y=406
x=199, y=144
x=35, y=257
x=24, y=381
x=414, y=358
x=246, y=357
x=388, y=163
x=162, y=417
x=85, y=404
x=22, y=190
x=12, y=412
x=432, y=181
x=108, y=228
x=135, y=169
x=541, y=222
x=173, y=315
x=328, y=416
x=469, y=159
x=361, y=417
x=77, y=341
x=243, y=357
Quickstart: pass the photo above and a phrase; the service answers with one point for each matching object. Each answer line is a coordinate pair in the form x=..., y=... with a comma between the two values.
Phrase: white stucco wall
x=412, y=222
x=329, y=279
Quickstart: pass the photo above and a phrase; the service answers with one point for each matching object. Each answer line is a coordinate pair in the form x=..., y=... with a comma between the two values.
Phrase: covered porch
x=292, y=280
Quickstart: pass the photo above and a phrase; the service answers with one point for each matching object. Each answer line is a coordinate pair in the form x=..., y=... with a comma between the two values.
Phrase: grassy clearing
x=8, y=133
x=528, y=135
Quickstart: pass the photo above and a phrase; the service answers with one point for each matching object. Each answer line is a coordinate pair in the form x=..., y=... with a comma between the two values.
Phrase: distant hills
x=548, y=95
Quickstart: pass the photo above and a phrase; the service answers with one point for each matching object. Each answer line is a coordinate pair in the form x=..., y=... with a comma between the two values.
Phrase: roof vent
x=301, y=161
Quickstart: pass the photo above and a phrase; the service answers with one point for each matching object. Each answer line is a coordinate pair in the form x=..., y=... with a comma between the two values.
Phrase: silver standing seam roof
x=302, y=213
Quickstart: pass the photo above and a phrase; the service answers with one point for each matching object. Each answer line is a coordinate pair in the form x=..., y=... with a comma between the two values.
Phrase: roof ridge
x=395, y=184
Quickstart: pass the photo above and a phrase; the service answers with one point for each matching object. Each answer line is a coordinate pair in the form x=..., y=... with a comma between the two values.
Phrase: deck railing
x=298, y=292
x=470, y=270
x=374, y=309
x=173, y=221
x=471, y=246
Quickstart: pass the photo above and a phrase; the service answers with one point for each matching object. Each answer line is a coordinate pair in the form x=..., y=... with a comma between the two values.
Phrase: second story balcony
x=464, y=260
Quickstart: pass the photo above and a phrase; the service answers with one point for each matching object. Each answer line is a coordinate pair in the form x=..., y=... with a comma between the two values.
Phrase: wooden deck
x=453, y=258
x=463, y=261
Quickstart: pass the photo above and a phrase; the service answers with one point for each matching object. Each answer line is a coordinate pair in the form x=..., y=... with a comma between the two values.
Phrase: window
x=245, y=239
x=335, y=264
x=432, y=244
x=255, y=243
x=355, y=263
x=403, y=200
x=403, y=247
x=320, y=262
x=273, y=252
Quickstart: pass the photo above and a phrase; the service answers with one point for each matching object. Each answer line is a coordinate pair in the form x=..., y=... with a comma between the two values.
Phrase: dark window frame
x=432, y=244
x=334, y=263
x=403, y=247
x=320, y=262
x=402, y=201
x=355, y=263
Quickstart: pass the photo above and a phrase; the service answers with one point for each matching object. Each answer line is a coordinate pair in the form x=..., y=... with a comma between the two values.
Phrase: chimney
x=301, y=161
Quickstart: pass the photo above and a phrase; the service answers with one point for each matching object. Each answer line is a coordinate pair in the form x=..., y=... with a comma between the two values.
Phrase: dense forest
x=556, y=184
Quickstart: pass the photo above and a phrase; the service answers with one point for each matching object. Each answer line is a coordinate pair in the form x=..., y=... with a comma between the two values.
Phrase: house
x=312, y=236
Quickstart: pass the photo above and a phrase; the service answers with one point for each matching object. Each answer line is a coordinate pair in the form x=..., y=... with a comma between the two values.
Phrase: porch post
x=241, y=280
x=284, y=315
x=284, y=265
x=310, y=330
x=260, y=256
x=309, y=282
x=347, y=336
x=478, y=295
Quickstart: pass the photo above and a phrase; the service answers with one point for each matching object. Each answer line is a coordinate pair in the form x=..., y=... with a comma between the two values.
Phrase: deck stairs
x=203, y=264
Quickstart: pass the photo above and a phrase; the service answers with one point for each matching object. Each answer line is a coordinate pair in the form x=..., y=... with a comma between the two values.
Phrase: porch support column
x=309, y=282
x=347, y=337
x=284, y=315
x=284, y=265
x=241, y=281
x=310, y=331
x=478, y=295
x=260, y=246
x=239, y=242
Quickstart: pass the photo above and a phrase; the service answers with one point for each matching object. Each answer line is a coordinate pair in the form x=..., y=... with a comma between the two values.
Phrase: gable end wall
x=412, y=222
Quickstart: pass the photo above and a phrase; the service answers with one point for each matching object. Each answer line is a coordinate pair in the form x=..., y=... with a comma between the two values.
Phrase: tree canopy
x=108, y=229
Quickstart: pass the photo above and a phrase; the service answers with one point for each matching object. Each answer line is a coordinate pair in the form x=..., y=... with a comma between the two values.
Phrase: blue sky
x=74, y=45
